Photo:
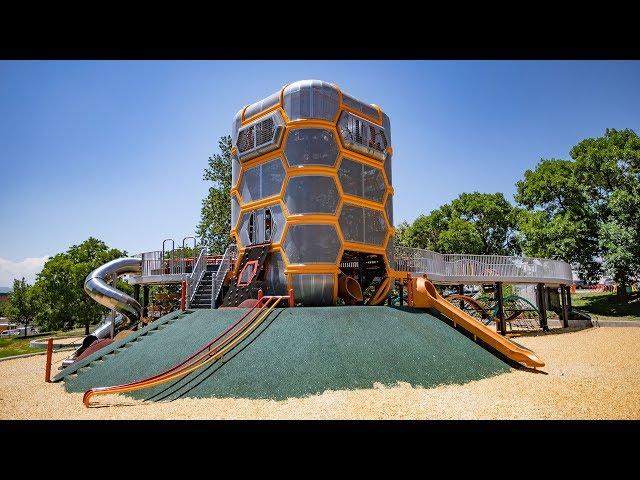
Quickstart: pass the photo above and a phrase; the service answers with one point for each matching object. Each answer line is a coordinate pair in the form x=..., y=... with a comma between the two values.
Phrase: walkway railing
x=193, y=279
x=225, y=265
x=461, y=268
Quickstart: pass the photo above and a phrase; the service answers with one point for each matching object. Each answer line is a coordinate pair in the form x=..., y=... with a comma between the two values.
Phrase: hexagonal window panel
x=363, y=225
x=375, y=228
x=361, y=180
x=388, y=206
x=261, y=181
x=235, y=210
x=311, y=146
x=311, y=243
x=311, y=194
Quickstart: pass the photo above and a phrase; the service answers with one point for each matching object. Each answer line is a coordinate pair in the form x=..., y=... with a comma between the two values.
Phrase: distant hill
x=5, y=289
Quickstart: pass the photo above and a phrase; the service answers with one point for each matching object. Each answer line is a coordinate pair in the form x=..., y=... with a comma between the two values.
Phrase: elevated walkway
x=465, y=269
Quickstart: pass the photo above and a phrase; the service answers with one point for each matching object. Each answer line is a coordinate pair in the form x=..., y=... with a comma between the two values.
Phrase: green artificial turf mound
x=298, y=352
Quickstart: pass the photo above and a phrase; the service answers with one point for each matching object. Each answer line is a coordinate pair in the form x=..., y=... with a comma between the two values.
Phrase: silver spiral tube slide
x=97, y=287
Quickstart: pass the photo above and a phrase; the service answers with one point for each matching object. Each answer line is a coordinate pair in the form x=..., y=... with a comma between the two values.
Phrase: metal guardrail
x=225, y=265
x=460, y=268
x=193, y=279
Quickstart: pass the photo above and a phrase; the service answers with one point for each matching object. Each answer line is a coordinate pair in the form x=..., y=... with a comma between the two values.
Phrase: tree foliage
x=59, y=287
x=557, y=221
x=22, y=304
x=476, y=223
x=215, y=214
x=587, y=207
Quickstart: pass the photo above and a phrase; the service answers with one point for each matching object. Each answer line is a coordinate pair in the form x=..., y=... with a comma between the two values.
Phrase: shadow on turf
x=187, y=381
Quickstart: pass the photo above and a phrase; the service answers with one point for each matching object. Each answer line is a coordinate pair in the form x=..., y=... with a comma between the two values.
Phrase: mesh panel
x=311, y=194
x=274, y=274
x=272, y=177
x=311, y=99
x=250, y=184
x=362, y=136
x=372, y=183
x=311, y=243
x=261, y=136
x=313, y=289
x=350, y=175
x=262, y=181
x=361, y=180
x=388, y=206
x=245, y=139
x=235, y=170
x=387, y=168
x=311, y=146
x=351, y=102
x=352, y=223
x=363, y=225
x=264, y=131
x=243, y=231
x=375, y=228
x=235, y=210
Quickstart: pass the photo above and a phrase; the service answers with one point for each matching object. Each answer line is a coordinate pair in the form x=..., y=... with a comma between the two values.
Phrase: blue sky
x=116, y=149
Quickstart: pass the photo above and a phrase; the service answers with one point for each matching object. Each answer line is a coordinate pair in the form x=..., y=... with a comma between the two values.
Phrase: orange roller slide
x=425, y=295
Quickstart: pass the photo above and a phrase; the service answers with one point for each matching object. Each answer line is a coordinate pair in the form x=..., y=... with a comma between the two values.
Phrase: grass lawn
x=19, y=345
x=15, y=346
x=605, y=305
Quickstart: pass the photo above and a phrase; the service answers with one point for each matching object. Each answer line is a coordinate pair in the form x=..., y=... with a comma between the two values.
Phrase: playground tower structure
x=311, y=174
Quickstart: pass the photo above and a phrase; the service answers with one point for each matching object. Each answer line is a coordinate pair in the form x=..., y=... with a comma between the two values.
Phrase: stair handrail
x=194, y=278
x=225, y=266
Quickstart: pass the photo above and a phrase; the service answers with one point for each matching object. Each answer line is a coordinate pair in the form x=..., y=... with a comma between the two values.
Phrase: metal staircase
x=202, y=295
x=228, y=260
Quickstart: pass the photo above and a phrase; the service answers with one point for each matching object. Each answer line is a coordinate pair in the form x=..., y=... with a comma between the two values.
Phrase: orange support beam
x=47, y=373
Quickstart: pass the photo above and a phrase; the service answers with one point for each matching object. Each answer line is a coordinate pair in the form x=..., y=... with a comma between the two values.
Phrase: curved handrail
x=218, y=352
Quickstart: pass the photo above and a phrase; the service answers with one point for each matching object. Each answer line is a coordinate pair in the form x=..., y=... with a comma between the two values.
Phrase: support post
x=542, y=307
x=291, y=300
x=461, y=292
x=565, y=312
x=47, y=371
x=113, y=312
x=145, y=301
x=569, y=298
x=260, y=294
x=136, y=292
x=183, y=296
x=502, y=324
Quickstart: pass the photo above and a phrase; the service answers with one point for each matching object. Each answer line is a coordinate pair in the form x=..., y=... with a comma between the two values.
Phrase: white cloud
x=27, y=268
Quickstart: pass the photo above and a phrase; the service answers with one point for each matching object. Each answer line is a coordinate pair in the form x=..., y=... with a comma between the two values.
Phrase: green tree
x=21, y=306
x=215, y=215
x=59, y=287
x=476, y=223
x=609, y=169
x=557, y=221
x=587, y=207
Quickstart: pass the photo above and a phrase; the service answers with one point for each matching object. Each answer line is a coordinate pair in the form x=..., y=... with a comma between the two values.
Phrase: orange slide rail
x=425, y=295
x=207, y=354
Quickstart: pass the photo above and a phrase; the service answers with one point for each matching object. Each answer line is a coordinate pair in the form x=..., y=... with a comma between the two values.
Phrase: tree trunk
x=622, y=292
